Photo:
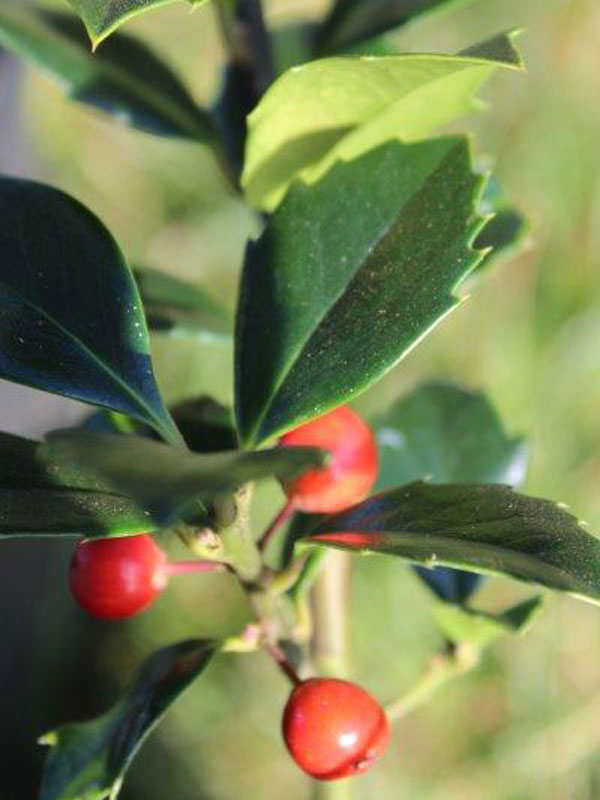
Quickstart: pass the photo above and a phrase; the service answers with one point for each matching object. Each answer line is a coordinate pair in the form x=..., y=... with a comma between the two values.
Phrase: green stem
x=239, y=547
x=331, y=597
x=455, y=661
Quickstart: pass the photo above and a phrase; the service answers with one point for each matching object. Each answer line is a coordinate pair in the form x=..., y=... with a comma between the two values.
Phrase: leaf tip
x=49, y=739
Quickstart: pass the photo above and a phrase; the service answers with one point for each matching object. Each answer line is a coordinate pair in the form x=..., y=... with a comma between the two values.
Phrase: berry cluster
x=332, y=728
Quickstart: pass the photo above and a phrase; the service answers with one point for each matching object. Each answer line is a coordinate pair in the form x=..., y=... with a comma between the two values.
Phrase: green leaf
x=483, y=528
x=348, y=276
x=339, y=108
x=461, y=624
x=443, y=432
x=102, y=17
x=59, y=268
x=164, y=480
x=88, y=760
x=450, y=435
x=124, y=79
x=352, y=21
x=506, y=229
x=175, y=306
x=39, y=500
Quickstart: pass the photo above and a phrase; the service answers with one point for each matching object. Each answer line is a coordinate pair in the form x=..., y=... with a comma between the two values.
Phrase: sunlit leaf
x=484, y=528
x=339, y=108
x=349, y=275
x=102, y=17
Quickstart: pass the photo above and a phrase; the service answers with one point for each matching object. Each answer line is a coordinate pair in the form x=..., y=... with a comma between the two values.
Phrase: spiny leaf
x=102, y=17
x=339, y=108
x=483, y=528
x=460, y=624
x=450, y=435
x=349, y=275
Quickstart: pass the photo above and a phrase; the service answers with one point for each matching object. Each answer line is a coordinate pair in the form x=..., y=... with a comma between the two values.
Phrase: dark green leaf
x=448, y=434
x=42, y=500
x=480, y=628
x=66, y=512
x=88, y=760
x=71, y=320
x=337, y=109
x=348, y=276
x=206, y=426
x=164, y=480
x=452, y=436
x=173, y=305
x=507, y=228
x=102, y=17
x=353, y=21
x=483, y=528
x=124, y=78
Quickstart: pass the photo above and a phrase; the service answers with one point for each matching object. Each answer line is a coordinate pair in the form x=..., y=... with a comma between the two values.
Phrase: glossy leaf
x=102, y=17
x=484, y=528
x=174, y=305
x=124, y=78
x=71, y=320
x=348, y=276
x=480, y=628
x=352, y=21
x=164, y=480
x=88, y=760
x=448, y=434
x=339, y=108
x=38, y=500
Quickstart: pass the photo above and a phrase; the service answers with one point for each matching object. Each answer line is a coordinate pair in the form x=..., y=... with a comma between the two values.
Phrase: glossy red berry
x=116, y=578
x=334, y=729
x=351, y=471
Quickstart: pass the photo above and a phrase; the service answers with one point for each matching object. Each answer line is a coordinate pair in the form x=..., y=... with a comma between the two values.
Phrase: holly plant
x=370, y=222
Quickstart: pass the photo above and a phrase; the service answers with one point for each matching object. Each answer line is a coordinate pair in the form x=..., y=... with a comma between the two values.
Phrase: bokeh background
x=526, y=725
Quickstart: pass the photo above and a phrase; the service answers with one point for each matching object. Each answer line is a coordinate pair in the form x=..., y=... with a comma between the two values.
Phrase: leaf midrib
x=375, y=244
x=108, y=370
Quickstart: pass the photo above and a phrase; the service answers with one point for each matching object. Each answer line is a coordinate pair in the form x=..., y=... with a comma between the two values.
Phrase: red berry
x=116, y=578
x=334, y=729
x=351, y=471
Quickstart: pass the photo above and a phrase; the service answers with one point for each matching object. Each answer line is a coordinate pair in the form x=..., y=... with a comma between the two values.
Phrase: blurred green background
x=527, y=724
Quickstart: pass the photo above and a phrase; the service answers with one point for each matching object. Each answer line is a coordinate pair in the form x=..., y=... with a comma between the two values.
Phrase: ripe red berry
x=115, y=578
x=334, y=729
x=351, y=471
